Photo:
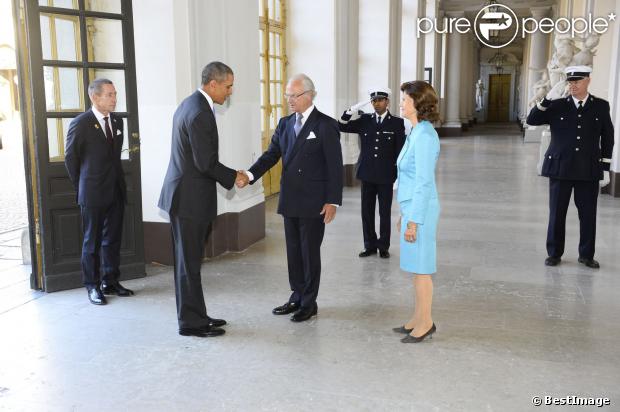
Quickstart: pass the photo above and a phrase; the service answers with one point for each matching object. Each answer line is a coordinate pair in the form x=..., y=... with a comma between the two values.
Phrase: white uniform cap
x=379, y=92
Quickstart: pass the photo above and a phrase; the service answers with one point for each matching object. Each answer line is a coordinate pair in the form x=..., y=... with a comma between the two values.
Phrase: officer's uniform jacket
x=379, y=145
x=581, y=143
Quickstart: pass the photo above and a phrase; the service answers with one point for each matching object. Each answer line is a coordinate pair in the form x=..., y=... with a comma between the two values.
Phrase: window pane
x=105, y=40
x=107, y=6
x=56, y=138
x=60, y=37
x=66, y=4
x=260, y=40
x=63, y=88
x=272, y=69
x=125, y=150
x=278, y=10
x=271, y=41
x=278, y=72
x=70, y=90
x=276, y=49
x=46, y=37
x=262, y=120
x=53, y=141
x=67, y=35
x=118, y=78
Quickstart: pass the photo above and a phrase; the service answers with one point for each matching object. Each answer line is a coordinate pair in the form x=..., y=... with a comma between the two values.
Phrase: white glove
x=605, y=181
x=558, y=91
x=359, y=105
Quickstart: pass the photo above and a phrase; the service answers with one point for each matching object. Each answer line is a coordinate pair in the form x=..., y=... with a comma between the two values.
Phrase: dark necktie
x=378, y=120
x=580, y=105
x=108, y=132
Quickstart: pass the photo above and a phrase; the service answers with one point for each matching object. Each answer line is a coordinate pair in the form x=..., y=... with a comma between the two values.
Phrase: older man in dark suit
x=577, y=160
x=308, y=142
x=189, y=194
x=93, y=160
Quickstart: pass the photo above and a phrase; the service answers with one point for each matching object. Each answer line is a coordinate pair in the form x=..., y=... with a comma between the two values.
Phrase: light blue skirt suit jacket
x=418, y=200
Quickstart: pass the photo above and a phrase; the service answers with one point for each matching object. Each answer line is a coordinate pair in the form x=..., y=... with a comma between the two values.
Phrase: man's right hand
x=358, y=106
x=557, y=92
x=242, y=179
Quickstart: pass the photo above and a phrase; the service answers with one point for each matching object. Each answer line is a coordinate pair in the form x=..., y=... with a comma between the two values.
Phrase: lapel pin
x=96, y=126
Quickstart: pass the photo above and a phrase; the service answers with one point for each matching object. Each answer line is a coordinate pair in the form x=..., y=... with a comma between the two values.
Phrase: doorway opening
x=16, y=278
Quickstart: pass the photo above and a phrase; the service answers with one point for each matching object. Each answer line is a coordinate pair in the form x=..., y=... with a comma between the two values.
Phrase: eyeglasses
x=295, y=96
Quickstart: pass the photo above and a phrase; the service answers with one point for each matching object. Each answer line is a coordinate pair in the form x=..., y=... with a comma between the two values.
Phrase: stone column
x=452, y=125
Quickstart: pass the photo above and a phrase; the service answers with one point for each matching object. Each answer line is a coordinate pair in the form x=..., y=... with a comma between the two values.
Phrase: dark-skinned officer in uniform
x=577, y=160
x=382, y=135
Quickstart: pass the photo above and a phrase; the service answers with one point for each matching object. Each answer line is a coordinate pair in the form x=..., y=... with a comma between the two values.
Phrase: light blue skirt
x=420, y=257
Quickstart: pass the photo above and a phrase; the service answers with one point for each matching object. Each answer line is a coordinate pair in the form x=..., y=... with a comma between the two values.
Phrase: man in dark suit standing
x=189, y=194
x=308, y=142
x=578, y=159
x=93, y=160
x=382, y=136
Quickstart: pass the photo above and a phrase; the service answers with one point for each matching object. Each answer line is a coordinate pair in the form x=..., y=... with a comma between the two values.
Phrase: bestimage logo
x=496, y=25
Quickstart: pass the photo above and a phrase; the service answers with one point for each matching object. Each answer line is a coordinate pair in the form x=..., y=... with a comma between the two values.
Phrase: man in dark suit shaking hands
x=189, y=194
x=93, y=160
x=308, y=142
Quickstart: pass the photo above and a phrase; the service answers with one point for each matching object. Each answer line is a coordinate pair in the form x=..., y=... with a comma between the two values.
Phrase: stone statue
x=564, y=51
x=479, y=94
x=586, y=55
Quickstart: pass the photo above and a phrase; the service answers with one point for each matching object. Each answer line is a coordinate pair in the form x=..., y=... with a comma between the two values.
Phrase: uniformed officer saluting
x=579, y=156
x=382, y=136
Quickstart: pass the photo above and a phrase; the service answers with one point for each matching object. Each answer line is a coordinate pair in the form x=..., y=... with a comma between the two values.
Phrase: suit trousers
x=101, y=249
x=188, y=240
x=370, y=193
x=303, y=251
x=585, y=196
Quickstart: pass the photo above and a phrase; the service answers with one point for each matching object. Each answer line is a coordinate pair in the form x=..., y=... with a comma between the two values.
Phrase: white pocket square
x=118, y=132
x=311, y=136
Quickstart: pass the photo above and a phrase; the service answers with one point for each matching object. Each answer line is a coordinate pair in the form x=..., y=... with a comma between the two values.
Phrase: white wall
x=374, y=46
x=311, y=48
x=599, y=83
x=174, y=40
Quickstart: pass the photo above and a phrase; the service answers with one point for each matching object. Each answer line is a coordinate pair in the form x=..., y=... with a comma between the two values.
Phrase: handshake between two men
x=242, y=179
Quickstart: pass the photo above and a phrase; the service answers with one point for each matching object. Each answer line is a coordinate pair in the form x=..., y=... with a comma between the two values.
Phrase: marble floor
x=509, y=328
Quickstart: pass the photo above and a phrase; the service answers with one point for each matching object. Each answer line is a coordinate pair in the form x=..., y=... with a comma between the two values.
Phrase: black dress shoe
x=216, y=322
x=206, y=332
x=402, y=329
x=413, y=339
x=367, y=252
x=591, y=263
x=96, y=297
x=552, y=261
x=115, y=289
x=384, y=254
x=288, y=307
x=304, y=314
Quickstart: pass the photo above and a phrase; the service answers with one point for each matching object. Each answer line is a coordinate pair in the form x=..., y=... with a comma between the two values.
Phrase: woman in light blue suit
x=419, y=204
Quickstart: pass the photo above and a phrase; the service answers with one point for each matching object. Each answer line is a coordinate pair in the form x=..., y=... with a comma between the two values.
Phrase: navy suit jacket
x=94, y=165
x=579, y=141
x=189, y=186
x=379, y=145
x=311, y=166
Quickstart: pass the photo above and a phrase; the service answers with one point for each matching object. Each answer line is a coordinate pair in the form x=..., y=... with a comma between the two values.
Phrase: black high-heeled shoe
x=413, y=339
x=402, y=329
